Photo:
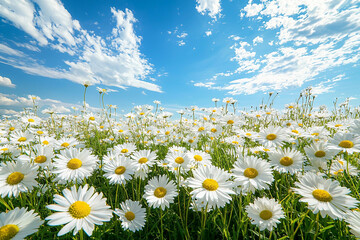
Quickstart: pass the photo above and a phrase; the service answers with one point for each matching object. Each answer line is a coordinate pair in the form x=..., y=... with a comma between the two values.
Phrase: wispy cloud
x=311, y=38
x=114, y=60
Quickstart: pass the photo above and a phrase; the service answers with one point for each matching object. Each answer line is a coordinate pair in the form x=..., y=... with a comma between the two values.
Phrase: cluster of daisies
x=212, y=158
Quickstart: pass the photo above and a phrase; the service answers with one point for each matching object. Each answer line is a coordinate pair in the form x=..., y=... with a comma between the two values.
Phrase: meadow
x=208, y=173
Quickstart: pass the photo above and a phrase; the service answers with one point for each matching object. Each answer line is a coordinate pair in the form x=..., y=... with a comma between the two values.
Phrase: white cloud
x=182, y=35
x=28, y=46
x=9, y=51
x=181, y=43
x=312, y=38
x=211, y=7
x=253, y=9
x=112, y=61
x=208, y=33
x=257, y=40
x=4, y=81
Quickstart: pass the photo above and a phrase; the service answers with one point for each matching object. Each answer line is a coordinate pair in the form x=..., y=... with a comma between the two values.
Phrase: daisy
x=66, y=143
x=273, y=137
x=32, y=120
x=178, y=160
x=74, y=165
x=21, y=138
x=252, y=173
x=40, y=156
x=339, y=166
x=131, y=215
x=265, y=213
x=125, y=149
x=198, y=158
x=353, y=219
x=119, y=170
x=320, y=151
x=144, y=159
x=79, y=209
x=346, y=142
x=324, y=195
x=287, y=160
x=18, y=223
x=160, y=192
x=17, y=177
x=211, y=185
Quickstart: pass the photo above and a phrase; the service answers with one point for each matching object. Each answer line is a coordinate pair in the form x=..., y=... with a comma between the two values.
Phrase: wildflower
x=80, y=208
x=265, y=213
x=131, y=215
x=160, y=192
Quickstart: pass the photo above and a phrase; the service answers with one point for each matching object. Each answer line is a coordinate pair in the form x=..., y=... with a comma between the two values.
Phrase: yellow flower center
x=322, y=195
x=79, y=209
x=288, y=124
x=201, y=129
x=65, y=144
x=40, y=132
x=4, y=149
x=230, y=122
x=142, y=113
x=179, y=160
x=124, y=150
x=143, y=160
x=290, y=107
x=120, y=170
x=338, y=125
x=286, y=161
x=12, y=129
x=130, y=216
x=235, y=142
x=271, y=137
x=210, y=184
x=320, y=154
x=101, y=127
x=22, y=139
x=8, y=231
x=14, y=178
x=250, y=173
x=40, y=159
x=167, y=132
x=31, y=120
x=265, y=214
x=295, y=131
x=91, y=118
x=198, y=158
x=315, y=134
x=248, y=134
x=74, y=163
x=346, y=144
x=191, y=141
x=214, y=130
x=120, y=130
x=45, y=142
x=160, y=192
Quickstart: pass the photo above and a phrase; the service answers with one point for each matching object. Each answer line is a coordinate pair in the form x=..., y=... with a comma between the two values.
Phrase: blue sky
x=179, y=52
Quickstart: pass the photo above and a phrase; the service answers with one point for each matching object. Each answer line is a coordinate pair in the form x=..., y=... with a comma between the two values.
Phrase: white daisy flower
x=18, y=224
x=273, y=137
x=119, y=170
x=265, y=213
x=252, y=173
x=211, y=185
x=346, y=142
x=74, y=165
x=21, y=138
x=198, y=158
x=178, y=160
x=125, y=149
x=40, y=156
x=320, y=151
x=17, y=177
x=287, y=160
x=160, y=192
x=131, y=215
x=144, y=159
x=353, y=219
x=79, y=209
x=339, y=166
x=324, y=195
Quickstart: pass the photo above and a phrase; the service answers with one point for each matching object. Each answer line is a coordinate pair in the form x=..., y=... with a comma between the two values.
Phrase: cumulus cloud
x=311, y=38
x=208, y=33
x=6, y=82
x=210, y=7
x=114, y=60
x=257, y=40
